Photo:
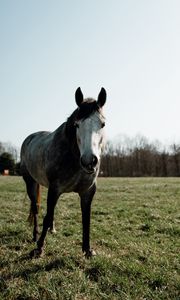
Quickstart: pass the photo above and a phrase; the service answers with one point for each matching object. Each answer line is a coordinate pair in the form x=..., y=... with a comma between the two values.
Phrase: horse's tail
x=38, y=197
x=38, y=202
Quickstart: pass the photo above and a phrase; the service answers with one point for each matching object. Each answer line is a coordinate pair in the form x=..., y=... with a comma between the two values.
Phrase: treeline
x=124, y=157
x=9, y=159
x=137, y=157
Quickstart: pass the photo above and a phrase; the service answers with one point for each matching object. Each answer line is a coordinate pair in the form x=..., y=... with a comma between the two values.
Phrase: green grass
x=135, y=230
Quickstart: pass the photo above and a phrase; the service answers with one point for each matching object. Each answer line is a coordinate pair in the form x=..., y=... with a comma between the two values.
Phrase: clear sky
x=130, y=47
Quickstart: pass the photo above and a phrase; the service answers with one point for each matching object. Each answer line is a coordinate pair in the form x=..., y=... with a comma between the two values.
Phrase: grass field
x=135, y=230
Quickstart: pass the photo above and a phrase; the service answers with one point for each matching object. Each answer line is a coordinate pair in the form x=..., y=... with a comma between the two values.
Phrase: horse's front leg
x=86, y=199
x=52, y=198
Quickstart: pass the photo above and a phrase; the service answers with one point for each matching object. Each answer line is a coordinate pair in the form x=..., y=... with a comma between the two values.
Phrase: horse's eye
x=102, y=125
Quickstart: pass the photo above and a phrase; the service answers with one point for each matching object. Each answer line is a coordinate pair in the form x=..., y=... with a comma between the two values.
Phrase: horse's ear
x=101, y=97
x=79, y=96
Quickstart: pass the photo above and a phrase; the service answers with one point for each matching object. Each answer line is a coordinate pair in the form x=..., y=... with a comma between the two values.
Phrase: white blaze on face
x=90, y=137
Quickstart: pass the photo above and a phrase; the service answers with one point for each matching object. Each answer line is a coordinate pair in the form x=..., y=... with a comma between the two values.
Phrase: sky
x=129, y=47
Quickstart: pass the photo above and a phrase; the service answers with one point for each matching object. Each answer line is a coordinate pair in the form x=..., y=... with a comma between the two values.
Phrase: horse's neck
x=72, y=141
x=66, y=135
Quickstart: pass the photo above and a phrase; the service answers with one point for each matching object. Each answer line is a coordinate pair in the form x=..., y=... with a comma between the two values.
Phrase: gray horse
x=66, y=160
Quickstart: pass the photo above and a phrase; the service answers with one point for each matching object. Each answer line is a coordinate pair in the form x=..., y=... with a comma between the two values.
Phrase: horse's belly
x=38, y=174
x=41, y=179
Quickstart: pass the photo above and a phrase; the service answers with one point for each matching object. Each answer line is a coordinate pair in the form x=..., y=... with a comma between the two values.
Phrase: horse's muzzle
x=89, y=164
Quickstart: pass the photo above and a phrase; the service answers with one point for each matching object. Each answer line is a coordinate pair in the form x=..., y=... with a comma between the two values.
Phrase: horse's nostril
x=90, y=163
x=83, y=162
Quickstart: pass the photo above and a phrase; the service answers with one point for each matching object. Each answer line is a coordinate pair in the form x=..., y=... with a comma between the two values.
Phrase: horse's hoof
x=90, y=253
x=36, y=253
x=34, y=239
x=52, y=230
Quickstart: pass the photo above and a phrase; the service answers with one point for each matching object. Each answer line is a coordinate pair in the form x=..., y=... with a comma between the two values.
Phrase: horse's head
x=89, y=129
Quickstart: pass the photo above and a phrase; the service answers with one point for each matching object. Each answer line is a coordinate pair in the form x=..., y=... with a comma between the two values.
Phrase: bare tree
x=138, y=157
x=2, y=149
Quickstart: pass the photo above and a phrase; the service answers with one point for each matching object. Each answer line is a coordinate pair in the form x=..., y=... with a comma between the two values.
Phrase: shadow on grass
x=68, y=263
x=12, y=236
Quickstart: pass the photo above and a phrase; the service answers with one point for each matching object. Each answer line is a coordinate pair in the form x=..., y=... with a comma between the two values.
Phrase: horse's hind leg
x=53, y=195
x=33, y=190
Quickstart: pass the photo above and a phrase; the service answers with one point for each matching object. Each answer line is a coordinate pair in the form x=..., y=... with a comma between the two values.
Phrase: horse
x=66, y=160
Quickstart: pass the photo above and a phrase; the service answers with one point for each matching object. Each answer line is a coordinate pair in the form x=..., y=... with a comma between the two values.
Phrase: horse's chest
x=84, y=183
x=79, y=182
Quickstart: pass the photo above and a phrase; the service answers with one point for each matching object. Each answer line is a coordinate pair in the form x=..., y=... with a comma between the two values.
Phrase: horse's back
x=33, y=156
